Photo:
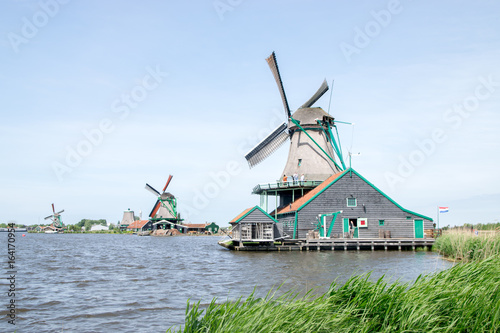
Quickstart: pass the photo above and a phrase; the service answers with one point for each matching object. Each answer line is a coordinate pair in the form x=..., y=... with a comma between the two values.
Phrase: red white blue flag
x=443, y=209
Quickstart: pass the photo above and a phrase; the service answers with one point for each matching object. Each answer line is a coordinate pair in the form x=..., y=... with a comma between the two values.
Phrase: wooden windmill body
x=314, y=152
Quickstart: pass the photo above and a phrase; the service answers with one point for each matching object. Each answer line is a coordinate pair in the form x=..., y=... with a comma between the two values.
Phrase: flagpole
x=438, y=217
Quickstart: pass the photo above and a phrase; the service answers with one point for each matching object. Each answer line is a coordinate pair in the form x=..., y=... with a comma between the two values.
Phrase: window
x=351, y=202
x=408, y=217
x=300, y=161
x=381, y=222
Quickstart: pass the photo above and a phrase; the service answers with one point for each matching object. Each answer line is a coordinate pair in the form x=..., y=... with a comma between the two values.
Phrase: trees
x=89, y=223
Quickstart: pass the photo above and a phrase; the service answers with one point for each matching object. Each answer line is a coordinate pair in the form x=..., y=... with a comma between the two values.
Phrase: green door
x=346, y=225
x=419, y=228
x=355, y=232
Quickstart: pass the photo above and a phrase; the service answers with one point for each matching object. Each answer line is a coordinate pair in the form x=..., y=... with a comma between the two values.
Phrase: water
x=126, y=283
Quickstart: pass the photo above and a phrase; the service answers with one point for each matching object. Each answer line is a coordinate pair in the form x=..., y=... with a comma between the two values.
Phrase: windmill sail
x=155, y=209
x=168, y=182
x=273, y=64
x=152, y=190
x=321, y=91
x=267, y=146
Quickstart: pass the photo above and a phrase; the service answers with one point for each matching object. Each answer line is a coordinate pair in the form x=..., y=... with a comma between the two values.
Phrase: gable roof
x=247, y=212
x=240, y=215
x=137, y=224
x=303, y=201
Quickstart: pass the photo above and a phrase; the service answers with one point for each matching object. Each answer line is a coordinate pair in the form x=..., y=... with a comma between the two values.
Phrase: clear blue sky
x=141, y=90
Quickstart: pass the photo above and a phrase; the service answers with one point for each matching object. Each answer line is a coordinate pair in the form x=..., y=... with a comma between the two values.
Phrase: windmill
x=56, y=218
x=164, y=211
x=314, y=152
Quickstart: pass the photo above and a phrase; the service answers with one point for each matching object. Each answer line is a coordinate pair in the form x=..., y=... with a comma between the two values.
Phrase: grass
x=464, y=245
x=465, y=298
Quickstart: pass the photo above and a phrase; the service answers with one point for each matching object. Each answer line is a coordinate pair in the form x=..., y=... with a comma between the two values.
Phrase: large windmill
x=56, y=218
x=315, y=151
x=164, y=213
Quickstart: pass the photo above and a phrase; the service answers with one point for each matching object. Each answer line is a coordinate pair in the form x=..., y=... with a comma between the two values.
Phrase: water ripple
x=123, y=283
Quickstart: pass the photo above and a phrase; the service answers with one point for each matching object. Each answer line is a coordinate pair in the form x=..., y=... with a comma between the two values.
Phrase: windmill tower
x=314, y=150
x=127, y=219
x=56, y=218
x=164, y=213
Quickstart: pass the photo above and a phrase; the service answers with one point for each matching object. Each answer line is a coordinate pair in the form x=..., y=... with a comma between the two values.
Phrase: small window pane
x=380, y=222
x=351, y=202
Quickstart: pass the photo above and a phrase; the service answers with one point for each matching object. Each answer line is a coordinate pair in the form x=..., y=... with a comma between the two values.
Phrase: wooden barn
x=140, y=225
x=254, y=225
x=364, y=211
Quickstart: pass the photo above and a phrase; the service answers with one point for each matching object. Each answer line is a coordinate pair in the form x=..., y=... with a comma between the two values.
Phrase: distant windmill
x=56, y=218
x=314, y=150
x=165, y=209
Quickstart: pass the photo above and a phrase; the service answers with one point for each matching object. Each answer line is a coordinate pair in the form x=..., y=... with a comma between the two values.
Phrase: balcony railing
x=291, y=184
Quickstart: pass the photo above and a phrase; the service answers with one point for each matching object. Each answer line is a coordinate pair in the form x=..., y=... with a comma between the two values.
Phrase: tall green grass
x=465, y=298
x=462, y=244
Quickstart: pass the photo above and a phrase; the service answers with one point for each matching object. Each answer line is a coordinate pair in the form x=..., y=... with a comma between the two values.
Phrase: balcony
x=280, y=186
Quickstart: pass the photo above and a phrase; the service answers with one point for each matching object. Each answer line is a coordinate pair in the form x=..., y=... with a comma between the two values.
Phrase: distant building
x=212, y=228
x=195, y=227
x=140, y=225
x=128, y=218
x=98, y=227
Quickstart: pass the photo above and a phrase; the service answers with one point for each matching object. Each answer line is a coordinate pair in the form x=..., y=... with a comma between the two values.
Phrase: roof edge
x=388, y=197
x=251, y=210
x=369, y=183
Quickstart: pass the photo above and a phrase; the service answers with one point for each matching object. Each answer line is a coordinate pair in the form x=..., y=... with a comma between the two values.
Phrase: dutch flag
x=443, y=209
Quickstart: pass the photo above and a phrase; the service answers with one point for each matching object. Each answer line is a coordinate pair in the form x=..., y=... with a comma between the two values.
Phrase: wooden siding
x=256, y=216
x=371, y=204
x=287, y=222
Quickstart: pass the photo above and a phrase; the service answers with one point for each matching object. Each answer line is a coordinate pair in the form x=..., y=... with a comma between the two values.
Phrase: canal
x=126, y=283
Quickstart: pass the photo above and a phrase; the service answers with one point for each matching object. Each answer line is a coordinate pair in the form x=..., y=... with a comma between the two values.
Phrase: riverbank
x=465, y=245
x=465, y=298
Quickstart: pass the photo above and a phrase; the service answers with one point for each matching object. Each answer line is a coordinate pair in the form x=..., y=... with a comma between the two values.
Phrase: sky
x=101, y=97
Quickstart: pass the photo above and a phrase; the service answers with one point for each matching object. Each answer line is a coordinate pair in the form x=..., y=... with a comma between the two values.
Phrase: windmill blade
x=60, y=212
x=267, y=146
x=48, y=217
x=155, y=209
x=152, y=190
x=168, y=182
x=323, y=89
x=53, y=210
x=273, y=64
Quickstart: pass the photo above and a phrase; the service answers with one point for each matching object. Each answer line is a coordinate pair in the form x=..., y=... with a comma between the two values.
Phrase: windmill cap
x=308, y=116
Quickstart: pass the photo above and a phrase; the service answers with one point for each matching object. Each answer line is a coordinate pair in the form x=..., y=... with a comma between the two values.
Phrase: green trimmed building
x=254, y=225
x=363, y=211
x=371, y=212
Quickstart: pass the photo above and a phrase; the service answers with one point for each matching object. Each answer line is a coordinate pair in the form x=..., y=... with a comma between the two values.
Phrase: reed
x=464, y=245
x=465, y=298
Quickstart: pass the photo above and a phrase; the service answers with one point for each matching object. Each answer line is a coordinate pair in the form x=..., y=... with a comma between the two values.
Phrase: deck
x=333, y=244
